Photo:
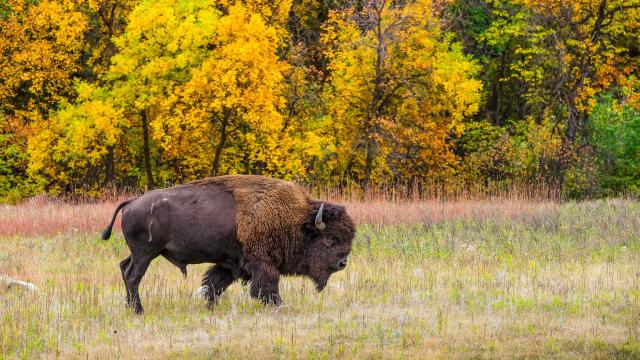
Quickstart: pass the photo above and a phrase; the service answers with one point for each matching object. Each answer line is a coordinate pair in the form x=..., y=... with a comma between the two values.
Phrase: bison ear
x=318, y=221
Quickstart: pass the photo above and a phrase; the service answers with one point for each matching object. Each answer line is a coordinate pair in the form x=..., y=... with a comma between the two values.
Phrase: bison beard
x=321, y=281
x=253, y=228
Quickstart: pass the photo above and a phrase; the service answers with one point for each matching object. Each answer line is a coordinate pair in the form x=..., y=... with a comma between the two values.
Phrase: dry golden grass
x=468, y=278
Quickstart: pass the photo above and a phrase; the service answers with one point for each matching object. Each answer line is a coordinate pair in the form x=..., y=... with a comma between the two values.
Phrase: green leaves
x=616, y=140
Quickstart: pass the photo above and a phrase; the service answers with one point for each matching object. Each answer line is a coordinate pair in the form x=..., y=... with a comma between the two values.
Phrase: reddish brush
x=48, y=217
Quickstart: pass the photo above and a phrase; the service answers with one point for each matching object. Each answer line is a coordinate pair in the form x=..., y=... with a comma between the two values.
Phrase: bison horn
x=319, y=223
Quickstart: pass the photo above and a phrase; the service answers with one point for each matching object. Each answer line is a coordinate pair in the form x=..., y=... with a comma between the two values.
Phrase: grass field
x=483, y=278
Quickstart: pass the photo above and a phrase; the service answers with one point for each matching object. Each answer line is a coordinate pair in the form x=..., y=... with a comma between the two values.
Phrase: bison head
x=329, y=232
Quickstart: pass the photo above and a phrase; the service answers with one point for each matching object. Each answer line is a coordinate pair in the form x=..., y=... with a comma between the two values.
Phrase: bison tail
x=106, y=234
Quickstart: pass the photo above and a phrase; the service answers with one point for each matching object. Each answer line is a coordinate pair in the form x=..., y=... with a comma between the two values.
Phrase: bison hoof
x=139, y=310
x=273, y=300
x=211, y=302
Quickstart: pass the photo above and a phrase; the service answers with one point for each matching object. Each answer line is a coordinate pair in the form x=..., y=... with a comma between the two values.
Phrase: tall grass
x=462, y=278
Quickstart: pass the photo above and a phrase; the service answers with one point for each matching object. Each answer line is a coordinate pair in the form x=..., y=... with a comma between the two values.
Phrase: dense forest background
x=103, y=95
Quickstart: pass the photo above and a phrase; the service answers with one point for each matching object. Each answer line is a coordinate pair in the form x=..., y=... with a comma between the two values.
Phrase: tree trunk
x=109, y=163
x=368, y=164
x=147, y=156
x=223, y=138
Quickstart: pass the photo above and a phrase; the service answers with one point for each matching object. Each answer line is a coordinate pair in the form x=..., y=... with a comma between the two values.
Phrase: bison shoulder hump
x=268, y=211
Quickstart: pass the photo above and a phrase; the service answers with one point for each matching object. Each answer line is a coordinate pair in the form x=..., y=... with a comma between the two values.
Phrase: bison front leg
x=216, y=280
x=264, y=283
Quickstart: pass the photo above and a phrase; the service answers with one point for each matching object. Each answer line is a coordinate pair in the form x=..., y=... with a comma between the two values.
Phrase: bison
x=252, y=228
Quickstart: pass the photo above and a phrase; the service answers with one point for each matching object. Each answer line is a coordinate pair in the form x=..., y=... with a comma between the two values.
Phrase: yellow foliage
x=399, y=87
x=227, y=114
x=67, y=145
x=40, y=45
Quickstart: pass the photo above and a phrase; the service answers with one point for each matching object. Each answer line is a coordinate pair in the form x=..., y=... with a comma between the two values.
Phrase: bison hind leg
x=124, y=265
x=133, y=275
x=215, y=281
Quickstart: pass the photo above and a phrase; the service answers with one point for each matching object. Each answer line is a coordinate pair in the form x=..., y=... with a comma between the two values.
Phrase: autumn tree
x=69, y=149
x=586, y=40
x=399, y=89
x=544, y=63
x=111, y=116
x=492, y=31
x=107, y=20
x=227, y=115
x=163, y=41
x=41, y=44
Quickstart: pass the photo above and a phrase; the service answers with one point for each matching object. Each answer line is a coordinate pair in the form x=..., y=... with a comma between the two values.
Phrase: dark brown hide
x=253, y=228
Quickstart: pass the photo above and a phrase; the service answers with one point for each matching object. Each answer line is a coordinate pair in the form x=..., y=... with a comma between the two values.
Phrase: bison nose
x=342, y=263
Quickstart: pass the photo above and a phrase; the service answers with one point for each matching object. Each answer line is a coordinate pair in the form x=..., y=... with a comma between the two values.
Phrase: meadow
x=463, y=278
